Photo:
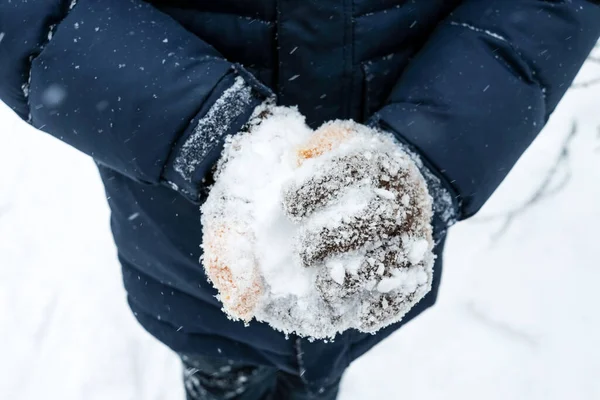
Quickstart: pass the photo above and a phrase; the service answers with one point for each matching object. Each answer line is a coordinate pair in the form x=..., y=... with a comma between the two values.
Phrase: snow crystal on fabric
x=479, y=30
x=212, y=127
x=317, y=233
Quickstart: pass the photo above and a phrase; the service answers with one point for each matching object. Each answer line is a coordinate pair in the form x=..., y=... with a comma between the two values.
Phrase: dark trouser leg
x=291, y=387
x=208, y=378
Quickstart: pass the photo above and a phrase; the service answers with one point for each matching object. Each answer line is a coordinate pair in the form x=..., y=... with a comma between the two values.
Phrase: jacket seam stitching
x=301, y=365
x=26, y=86
x=277, y=68
x=245, y=17
x=370, y=13
x=379, y=58
x=232, y=14
x=500, y=38
x=344, y=98
x=351, y=66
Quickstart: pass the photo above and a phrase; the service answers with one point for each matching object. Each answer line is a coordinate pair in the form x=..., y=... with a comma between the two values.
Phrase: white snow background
x=516, y=319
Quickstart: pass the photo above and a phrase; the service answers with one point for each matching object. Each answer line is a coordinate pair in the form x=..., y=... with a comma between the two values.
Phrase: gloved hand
x=365, y=212
x=318, y=232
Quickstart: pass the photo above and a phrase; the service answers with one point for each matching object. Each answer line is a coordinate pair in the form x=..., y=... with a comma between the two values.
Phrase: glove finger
x=402, y=181
x=307, y=194
x=390, y=174
x=338, y=232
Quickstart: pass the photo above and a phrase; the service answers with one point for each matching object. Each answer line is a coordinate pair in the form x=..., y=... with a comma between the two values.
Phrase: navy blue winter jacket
x=468, y=84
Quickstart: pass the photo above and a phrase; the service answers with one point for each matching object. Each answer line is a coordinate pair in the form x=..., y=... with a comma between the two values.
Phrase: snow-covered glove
x=366, y=215
x=317, y=232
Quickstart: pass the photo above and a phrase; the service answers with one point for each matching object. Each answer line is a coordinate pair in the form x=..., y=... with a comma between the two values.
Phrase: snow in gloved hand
x=317, y=232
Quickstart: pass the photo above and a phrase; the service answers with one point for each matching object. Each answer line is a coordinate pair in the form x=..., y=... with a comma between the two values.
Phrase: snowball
x=252, y=238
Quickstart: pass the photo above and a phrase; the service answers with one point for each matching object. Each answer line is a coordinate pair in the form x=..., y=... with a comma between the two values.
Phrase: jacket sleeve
x=124, y=83
x=484, y=85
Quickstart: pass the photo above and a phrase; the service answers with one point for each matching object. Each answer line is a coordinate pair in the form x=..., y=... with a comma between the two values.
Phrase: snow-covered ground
x=516, y=319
